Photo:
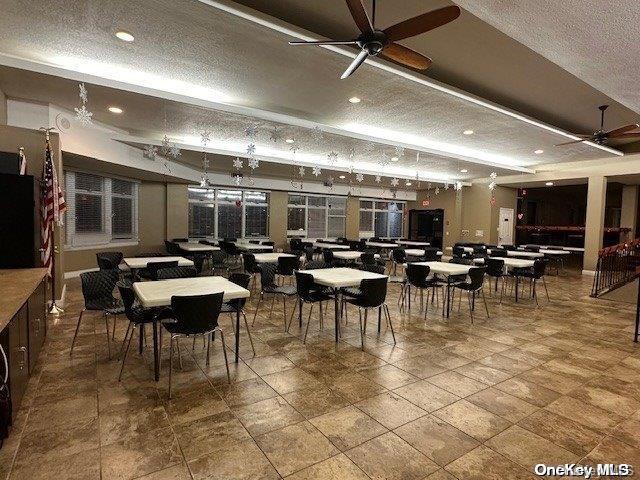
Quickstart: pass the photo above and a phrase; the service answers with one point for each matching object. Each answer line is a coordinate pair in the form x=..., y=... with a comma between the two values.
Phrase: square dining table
x=413, y=243
x=270, y=257
x=417, y=252
x=337, y=278
x=158, y=294
x=192, y=247
x=350, y=255
x=253, y=247
x=137, y=263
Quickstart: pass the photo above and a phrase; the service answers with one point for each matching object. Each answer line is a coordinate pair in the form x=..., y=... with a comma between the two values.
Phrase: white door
x=505, y=226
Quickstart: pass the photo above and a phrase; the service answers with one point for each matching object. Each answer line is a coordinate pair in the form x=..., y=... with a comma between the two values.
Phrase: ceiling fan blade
x=324, y=42
x=422, y=23
x=359, y=60
x=360, y=15
x=572, y=142
x=619, y=131
x=628, y=135
x=406, y=56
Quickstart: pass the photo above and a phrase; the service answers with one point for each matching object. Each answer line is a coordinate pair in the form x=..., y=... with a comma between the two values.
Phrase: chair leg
x=224, y=351
x=75, y=335
x=484, y=300
x=256, y=312
x=246, y=325
x=284, y=311
x=179, y=353
x=124, y=341
x=470, y=306
x=361, y=331
x=170, y=363
x=124, y=356
x=321, y=317
x=113, y=332
x=306, y=330
x=386, y=310
x=208, y=340
x=544, y=283
x=106, y=323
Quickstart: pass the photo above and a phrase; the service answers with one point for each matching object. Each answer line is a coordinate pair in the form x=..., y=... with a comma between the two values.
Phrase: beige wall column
x=629, y=213
x=352, y=227
x=594, y=224
x=177, y=211
x=278, y=202
x=3, y=108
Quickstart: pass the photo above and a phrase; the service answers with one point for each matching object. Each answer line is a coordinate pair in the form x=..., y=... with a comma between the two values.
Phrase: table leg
x=300, y=313
x=156, y=357
x=141, y=344
x=238, y=334
x=336, y=312
x=448, y=305
x=516, y=289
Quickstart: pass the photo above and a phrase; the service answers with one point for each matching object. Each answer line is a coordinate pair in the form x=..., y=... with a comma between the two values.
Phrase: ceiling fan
x=601, y=137
x=374, y=42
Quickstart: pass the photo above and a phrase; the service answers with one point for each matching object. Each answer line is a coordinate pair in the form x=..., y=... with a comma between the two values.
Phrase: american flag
x=53, y=206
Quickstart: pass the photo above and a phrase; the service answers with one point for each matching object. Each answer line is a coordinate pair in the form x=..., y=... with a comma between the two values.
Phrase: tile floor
x=554, y=384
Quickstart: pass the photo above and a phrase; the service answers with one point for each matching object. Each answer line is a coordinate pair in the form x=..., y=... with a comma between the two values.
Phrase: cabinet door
x=37, y=324
x=18, y=357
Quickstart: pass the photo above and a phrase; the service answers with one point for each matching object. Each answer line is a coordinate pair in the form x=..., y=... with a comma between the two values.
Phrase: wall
x=278, y=202
x=448, y=201
x=352, y=226
x=177, y=202
x=505, y=198
x=3, y=108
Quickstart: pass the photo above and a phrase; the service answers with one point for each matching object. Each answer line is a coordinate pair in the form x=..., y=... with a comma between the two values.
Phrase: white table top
x=417, y=252
x=270, y=257
x=253, y=247
x=447, y=269
x=159, y=293
x=554, y=252
x=466, y=249
x=413, y=243
x=554, y=247
x=331, y=246
x=509, y=262
x=519, y=253
x=350, y=255
x=382, y=244
x=142, y=262
x=341, y=277
x=197, y=247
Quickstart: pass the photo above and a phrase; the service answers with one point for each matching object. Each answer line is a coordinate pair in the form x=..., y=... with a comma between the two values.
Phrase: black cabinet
x=37, y=329
x=18, y=357
x=427, y=226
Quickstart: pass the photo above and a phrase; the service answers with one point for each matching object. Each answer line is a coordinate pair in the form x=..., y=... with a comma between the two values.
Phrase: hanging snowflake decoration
x=330, y=183
x=174, y=151
x=317, y=171
x=238, y=164
x=369, y=147
x=294, y=149
x=253, y=163
x=400, y=151
x=384, y=161
x=317, y=135
x=394, y=193
x=204, y=181
x=83, y=115
x=437, y=190
x=493, y=175
x=205, y=137
x=166, y=144
x=394, y=182
x=205, y=163
x=332, y=158
x=428, y=185
x=150, y=152
x=378, y=179
x=276, y=134
x=457, y=186
x=251, y=149
x=492, y=186
x=446, y=185
x=251, y=131
x=352, y=154
x=493, y=201
x=301, y=171
x=84, y=96
x=359, y=178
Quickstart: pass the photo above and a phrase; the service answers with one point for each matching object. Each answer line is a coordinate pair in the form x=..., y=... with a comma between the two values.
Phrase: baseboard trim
x=590, y=273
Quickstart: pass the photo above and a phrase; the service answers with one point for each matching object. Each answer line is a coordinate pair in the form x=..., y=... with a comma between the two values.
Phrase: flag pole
x=54, y=310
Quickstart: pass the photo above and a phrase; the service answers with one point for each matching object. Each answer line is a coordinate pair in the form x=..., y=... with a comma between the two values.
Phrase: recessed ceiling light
x=464, y=170
x=408, y=184
x=549, y=184
x=539, y=152
x=342, y=177
x=115, y=109
x=468, y=132
x=354, y=100
x=125, y=36
x=394, y=159
x=289, y=140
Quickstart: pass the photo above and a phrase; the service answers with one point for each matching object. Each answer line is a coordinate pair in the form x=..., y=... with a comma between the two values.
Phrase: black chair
x=308, y=253
x=268, y=243
x=368, y=258
x=479, y=251
x=268, y=286
x=375, y=268
x=532, y=248
x=295, y=245
x=287, y=266
x=499, y=253
x=431, y=254
x=230, y=239
x=109, y=260
x=238, y=304
x=151, y=272
x=218, y=260
x=374, y=294
x=196, y=315
x=180, y=240
x=495, y=269
x=308, y=292
x=473, y=286
x=198, y=260
x=418, y=278
x=316, y=265
x=398, y=257
x=97, y=290
x=328, y=257
x=250, y=267
x=176, y=272
x=172, y=248
x=232, y=253
x=535, y=273
x=149, y=255
x=459, y=251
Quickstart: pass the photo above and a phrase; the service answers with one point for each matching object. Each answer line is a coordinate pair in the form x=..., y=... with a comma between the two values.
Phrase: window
x=381, y=218
x=316, y=216
x=101, y=210
x=226, y=213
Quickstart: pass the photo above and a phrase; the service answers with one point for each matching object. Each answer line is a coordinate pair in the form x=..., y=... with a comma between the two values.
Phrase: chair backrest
x=249, y=261
x=315, y=265
x=499, y=252
x=532, y=248
x=374, y=291
x=461, y=261
x=539, y=266
x=328, y=256
x=458, y=251
x=172, y=248
x=149, y=254
x=375, y=268
x=175, y=272
x=417, y=274
x=304, y=284
x=241, y=279
x=509, y=247
x=153, y=267
x=287, y=265
x=295, y=244
x=196, y=314
x=218, y=257
x=268, y=243
x=128, y=296
x=431, y=254
x=267, y=274
x=308, y=252
x=230, y=239
x=398, y=255
x=98, y=286
x=198, y=262
x=476, y=274
x=368, y=258
x=495, y=266
x=112, y=258
x=181, y=240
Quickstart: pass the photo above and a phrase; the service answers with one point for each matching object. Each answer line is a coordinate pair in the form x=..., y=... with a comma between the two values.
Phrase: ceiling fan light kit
x=373, y=42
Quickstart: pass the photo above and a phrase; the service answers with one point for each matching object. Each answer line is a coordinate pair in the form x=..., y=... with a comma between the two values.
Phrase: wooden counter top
x=16, y=286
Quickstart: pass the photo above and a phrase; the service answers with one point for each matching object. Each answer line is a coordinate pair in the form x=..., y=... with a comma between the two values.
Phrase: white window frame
x=374, y=210
x=82, y=241
x=216, y=201
x=306, y=207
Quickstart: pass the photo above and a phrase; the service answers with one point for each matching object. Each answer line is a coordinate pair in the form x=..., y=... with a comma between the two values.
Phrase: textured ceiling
x=596, y=40
x=192, y=49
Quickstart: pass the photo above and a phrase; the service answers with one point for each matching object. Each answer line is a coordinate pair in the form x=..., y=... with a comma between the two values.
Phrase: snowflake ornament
x=359, y=177
x=492, y=186
x=317, y=134
x=352, y=154
x=205, y=137
x=446, y=185
x=394, y=182
x=150, y=152
x=301, y=171
x=493, y=175
x=378, y=179
x=317, y=171
x=384, y=161
x=276, y=134
x=294, y=149
x=437, y=190
x=205, y=163
x=399, y=151
x=83, y=93
x=332, y=158
x=174, y=151
x=458, y=186
x=238, y=164
x=251, y=131
x=166, y=144
x=83, y=115
x=251, y=149
x=369, y=147
x=253, y=163
x=205, y=182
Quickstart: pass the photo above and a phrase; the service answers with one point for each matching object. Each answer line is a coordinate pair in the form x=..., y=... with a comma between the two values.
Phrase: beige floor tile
x=584, y=413
x=606, y=400
x=472, y=420
x=528, y=391
x=195, y=405
x=426, y=395
x=270, y=364
x=291, y=380
x=270, y=414
x=354, y=387
x=549, y=379
x=177, y=472
x=390, y=409
x=456, y=383
x=483, y=373
x=612, y=450
x=389, y=376
x=314, y=402
x=246, y=392
x=84, y=465
x=506, y=406
x=334, y=468
x=348, y=427
x=485, y=464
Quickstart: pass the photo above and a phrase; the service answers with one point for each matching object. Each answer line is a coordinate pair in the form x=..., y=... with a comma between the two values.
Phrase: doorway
x=505, y=226
x=427, y=226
